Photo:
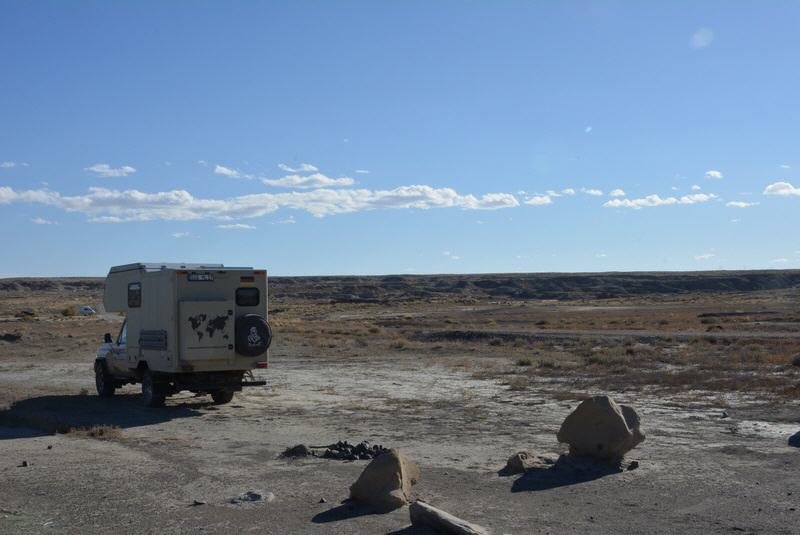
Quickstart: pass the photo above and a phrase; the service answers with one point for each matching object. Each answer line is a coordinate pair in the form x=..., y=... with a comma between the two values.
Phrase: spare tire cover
x=253, y=335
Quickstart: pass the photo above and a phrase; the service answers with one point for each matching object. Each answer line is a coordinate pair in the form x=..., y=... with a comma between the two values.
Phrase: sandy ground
x=713, y=461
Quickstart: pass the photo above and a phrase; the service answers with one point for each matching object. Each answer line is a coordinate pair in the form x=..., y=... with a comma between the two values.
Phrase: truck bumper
x=254, y=383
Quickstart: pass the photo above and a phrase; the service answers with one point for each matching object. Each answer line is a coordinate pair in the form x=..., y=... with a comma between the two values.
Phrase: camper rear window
x=135, y=294
x=247, y=297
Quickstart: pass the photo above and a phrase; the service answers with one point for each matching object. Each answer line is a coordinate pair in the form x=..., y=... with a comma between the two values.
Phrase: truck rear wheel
x=221, y=397
x=152, y=392
x=103, y=380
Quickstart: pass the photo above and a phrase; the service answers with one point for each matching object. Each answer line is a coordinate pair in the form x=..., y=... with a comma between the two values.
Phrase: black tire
x=253, y=335
x=105, y=383
x=221, y=397
x=152, y=392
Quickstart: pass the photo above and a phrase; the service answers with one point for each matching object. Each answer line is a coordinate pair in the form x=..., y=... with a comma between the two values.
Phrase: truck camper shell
x=193, y=326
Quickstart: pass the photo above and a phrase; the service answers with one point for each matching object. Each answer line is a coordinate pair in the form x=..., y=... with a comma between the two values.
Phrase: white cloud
x=741, y=204
x=450, y=255
x=587, y=129
x=40, y=196
x=40, y=221
x=617, y=193
x=780, y=260
x=105, y=170
x=180, y=234
x=713, y=173
x=104, y=205
x=735, y=220
x=655, y=200
x=568, y=191
x=362, y=171
x=705, y=256
x=783, y=189
x=288, y=221
x=455, y=257
x=601, y=255
x=785, y=166
x=552, y=193
x=701, y=38
x=202, y=162
x=7, y=165
x=317, y=180
x=592, y=192
x=302, y=168
x=695, y=187
x=237, y=226
x=539, y=200
x=228, y=172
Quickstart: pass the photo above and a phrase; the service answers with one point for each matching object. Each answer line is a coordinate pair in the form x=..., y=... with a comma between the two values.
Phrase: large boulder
x=794, y=440
x=386, y=482
x=602, y=429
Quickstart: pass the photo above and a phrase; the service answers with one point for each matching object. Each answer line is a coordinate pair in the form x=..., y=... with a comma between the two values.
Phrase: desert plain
x=457, y=371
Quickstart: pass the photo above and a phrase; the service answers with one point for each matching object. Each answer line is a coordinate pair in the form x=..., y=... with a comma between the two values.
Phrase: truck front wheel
x=152, y=393
x=103, y=380
x=221, y=397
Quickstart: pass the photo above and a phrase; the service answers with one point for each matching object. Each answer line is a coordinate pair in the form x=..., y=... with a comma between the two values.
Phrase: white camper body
x=192, y=327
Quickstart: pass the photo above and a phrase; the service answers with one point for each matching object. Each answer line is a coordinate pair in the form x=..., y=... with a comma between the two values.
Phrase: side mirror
x=107, y=338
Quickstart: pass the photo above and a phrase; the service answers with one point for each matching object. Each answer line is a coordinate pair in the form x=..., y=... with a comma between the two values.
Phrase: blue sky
x=399, y=137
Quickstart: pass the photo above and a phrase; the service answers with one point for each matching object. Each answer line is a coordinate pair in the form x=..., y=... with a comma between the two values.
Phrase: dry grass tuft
x=102, y=432
x=518, y=382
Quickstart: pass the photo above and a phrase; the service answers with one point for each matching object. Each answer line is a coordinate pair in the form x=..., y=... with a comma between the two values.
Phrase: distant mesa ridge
x=559, y=286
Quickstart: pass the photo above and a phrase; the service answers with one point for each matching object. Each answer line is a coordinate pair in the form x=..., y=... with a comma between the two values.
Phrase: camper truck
x=196, y=327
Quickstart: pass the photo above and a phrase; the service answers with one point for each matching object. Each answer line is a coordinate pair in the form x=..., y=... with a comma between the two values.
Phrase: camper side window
x=247, y=297
x=135, y=294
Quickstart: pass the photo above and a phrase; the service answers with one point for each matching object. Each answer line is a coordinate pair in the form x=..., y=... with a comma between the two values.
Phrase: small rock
x=301, y=450
x=50, y=447
x=23, y=464
x=633, y=465
x=252, y=497
x=426, y=516
x=724, y=414
x=794, y=440
x=323, y=500
x=345, y=451
x=523, y=461
x=195, y=503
